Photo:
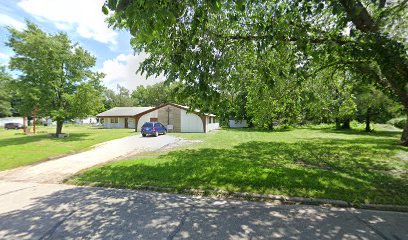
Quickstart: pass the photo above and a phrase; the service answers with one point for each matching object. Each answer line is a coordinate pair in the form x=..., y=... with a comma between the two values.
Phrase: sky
x=85, y=24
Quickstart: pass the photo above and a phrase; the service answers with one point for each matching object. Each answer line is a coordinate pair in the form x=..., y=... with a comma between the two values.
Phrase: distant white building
x=10, y=120
x=89, y=120
x=175, y=117
x=238, y=123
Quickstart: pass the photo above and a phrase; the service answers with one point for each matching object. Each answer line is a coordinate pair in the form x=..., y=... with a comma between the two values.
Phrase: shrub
x=398, y=122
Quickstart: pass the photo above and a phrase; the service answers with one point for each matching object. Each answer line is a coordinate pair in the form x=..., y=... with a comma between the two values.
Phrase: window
x=148, y=124
x=114, y=120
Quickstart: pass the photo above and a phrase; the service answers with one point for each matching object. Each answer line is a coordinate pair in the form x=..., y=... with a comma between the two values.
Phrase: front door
x=126, y=123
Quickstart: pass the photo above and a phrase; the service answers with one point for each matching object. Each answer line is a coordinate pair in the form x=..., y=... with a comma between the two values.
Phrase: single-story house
x=176, y=117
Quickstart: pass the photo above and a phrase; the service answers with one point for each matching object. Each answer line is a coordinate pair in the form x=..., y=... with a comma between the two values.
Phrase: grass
x=354, y=166
x=17, y=149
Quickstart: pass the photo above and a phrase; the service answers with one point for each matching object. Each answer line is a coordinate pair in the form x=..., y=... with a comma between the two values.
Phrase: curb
x=384, y=207
x=257, y=197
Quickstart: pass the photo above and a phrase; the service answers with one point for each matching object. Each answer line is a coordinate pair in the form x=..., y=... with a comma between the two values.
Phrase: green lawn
x=17, y=149
x=316, y=162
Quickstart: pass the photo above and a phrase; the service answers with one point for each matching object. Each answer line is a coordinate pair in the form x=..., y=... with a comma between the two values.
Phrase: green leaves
x=105, y=10
x=256, y=58
x=5, y=96
x=56, y=77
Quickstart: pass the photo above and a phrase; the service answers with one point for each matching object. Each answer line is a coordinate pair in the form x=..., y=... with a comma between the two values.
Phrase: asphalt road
x=57, y=211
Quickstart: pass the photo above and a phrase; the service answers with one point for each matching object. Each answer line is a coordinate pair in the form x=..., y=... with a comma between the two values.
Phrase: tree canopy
x=142, y=96
x=119, y=99
x=55, y=75
x=5, y=106
x=215, y=47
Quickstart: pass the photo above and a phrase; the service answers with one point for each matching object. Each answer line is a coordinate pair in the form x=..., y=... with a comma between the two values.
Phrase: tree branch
x=339, y=41
x=359, y=16
x=334, y=64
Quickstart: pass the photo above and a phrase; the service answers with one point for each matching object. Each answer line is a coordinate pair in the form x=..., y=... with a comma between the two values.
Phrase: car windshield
x=148, y=124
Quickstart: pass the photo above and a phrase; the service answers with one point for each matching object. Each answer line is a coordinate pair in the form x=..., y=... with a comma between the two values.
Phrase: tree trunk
x=346, y=124
x=34, y=121
x=404, y=137
x=59, y=127
x=338, y=126
x=367, y=128
x=367, y=121
x=24, y=123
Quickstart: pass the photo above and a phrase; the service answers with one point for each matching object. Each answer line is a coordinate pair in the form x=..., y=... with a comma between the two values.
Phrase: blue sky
x=84, y=23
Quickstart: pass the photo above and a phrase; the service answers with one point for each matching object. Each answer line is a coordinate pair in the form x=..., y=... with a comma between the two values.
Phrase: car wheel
x=156, y=134
x=143, y=135
x=165, y=132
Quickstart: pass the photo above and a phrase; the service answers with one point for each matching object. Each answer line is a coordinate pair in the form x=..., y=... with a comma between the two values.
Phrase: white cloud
x=4, y=58
x=85, y=16
x=122, y=70
x=6, y=20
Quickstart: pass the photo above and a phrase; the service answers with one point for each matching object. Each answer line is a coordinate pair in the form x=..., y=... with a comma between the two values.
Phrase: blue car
x=153, y=128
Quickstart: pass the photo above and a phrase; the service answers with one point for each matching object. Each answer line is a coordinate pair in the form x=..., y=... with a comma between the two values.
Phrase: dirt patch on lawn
x=180, y=143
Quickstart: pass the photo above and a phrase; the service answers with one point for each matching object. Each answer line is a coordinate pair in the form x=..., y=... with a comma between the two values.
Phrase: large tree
x=155, y=94
x=55, y=75
x=5, y=97
x=120, y=98
x=374, y=106
x=190, y=40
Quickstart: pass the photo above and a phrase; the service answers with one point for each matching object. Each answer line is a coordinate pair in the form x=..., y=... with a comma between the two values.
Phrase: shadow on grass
x=358, y=170
x=39, y=137
x=249, y=129
x=375, y=133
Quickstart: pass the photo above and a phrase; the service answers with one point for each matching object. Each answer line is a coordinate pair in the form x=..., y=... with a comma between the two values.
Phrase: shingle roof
x=123, y=111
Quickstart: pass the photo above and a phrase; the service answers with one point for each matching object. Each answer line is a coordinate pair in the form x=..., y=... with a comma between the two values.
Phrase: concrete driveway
x=57, y=211
x=54, y=171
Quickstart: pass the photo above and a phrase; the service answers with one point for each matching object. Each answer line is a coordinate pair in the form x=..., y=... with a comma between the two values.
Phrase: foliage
x=398, y=122
x=120, y=99
x=142, y=96
x=313, y=162
x=16, y=149
x=5, y=106
x=274, y=95
x=202, y=44
x=374, y=105
x=154, y=95
x=56, y=77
